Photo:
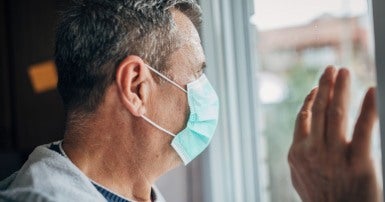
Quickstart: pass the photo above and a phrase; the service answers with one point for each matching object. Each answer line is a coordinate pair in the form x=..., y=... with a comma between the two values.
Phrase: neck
x=117, y=160
x=103, y=165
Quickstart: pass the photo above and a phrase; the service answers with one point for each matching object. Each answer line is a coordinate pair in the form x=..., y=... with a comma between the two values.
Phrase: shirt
x=110, y=196
x=49, y=176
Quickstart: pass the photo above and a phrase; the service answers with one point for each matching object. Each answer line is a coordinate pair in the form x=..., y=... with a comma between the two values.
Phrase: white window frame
x=379, y=40
x=231, y=164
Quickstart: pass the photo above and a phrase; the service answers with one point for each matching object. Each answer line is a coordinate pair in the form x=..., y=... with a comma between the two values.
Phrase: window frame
x=231, y=171
x=379, y=41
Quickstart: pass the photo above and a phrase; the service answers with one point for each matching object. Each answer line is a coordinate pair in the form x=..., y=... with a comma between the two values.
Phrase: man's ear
x=132, y=78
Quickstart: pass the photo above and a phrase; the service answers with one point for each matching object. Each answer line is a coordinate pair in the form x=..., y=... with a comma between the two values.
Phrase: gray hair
x=94, y=36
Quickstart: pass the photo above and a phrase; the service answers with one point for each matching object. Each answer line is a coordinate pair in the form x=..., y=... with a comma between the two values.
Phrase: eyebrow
x=203, y=66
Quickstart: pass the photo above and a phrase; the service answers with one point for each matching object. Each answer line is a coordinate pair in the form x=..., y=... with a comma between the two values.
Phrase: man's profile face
x=184, y=66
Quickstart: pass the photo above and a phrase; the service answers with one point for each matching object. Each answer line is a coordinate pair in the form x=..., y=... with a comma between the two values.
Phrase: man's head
x=103, y=51
x=94, y=36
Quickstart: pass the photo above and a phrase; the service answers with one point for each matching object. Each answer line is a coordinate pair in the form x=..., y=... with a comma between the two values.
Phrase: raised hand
x=324, y=165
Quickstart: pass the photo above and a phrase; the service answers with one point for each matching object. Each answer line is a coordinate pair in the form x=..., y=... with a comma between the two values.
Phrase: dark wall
x=27, y=118
x=5, y=111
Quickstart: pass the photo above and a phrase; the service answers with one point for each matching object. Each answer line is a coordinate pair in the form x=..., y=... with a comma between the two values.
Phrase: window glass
x=296, y=40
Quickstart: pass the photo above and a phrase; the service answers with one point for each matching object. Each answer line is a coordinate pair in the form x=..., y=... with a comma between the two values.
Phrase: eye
x=199, y=73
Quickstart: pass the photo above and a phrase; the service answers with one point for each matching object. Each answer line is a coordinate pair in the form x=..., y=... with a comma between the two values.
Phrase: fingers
x=320, y=105
x=338, y=109
x=303, y=122
x=363, y=129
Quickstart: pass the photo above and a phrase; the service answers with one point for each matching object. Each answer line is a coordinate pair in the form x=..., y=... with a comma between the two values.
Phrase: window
x=296, y=41
x=264, y=56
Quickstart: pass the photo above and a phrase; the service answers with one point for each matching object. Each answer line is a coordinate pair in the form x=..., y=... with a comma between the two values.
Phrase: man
x=138, y=104
x=130, y=77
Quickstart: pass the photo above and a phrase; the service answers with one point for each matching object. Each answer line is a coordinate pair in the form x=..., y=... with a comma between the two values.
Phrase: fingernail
x=329, y=73
x=344, y=71
x=329, y=68
x=372, y=90
x=314, y=89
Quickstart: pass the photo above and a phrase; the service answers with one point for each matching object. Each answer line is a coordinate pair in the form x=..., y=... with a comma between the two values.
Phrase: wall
x=27, y=118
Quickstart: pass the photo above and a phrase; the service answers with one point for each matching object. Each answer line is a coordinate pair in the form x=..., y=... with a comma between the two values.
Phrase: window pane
x=296, y=40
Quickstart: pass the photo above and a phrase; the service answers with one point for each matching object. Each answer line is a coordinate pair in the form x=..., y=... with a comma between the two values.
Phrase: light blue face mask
x=202, y=122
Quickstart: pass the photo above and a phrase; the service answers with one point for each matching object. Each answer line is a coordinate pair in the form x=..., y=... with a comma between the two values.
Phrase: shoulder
x=16, y=195
x=48, y=176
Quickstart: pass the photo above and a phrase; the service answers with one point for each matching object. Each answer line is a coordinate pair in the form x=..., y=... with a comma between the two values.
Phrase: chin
x=176, y=162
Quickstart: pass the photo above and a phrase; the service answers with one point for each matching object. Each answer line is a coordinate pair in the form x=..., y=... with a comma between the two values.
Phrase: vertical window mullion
x=379, y=33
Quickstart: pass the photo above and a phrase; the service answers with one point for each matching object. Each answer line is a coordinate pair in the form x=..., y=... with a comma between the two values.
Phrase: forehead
x=188, y=57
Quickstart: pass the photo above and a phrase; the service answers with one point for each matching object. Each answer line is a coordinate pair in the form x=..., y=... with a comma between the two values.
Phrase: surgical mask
x=202, y=122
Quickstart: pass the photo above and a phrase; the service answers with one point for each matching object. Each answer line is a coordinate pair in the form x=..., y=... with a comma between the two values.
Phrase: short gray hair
x=94, y=36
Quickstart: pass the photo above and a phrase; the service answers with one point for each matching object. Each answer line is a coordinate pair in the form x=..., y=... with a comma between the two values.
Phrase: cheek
x=175, y=110
x=181, y=112
x=177, y=103
x=184, y=108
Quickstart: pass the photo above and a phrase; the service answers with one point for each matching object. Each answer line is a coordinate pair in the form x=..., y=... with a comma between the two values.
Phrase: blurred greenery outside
x=279, y=120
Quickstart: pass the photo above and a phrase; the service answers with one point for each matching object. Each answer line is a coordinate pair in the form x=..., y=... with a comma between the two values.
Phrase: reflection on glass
x=296, y=41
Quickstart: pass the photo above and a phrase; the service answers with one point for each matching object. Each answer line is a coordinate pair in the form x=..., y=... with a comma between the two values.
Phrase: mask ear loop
x=157, y=126
x=167, y=79
x=172, y=82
